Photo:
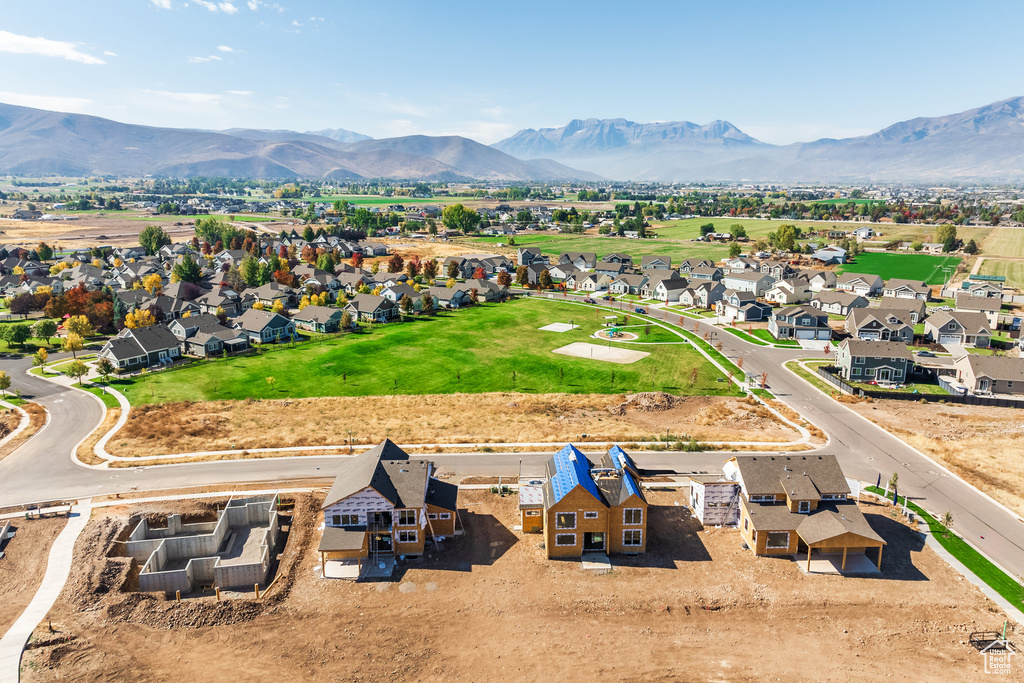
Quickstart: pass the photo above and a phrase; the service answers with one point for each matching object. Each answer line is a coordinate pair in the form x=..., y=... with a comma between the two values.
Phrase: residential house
x=987, y=306
x=611, y=268
x=704, y=294
x=624, y=259
x=756, y=282
x=321, y=319
x=589, y=282
x=654, y=278
x=736, y=306
x=265, y=326
x=819, y=280
x=396, y=292
x=789, y=292
x=992, y=290
x=960, y=328
x=372, y=308
x=705, y=273
x=143, y=347
x=915, y=307
x=581, y=260
x=655, y=262
x=627, y=284
x=859, y=283
x=880, y=324
x=860, y=360
x=898, y=288
x=837, y=303
x=669, y=290
x=690, y=264
x=793, y=504
x=830, y=255
x=799, y=322
x=526, y=256
x=486, y=290
x=223, y=298
x=779, y=270
x=203, y=335
x=384, y=504
x=994, y=374
x=592, y=507
x=447, y=297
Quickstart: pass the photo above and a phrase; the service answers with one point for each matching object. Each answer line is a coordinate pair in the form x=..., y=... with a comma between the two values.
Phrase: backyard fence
x=830, y=374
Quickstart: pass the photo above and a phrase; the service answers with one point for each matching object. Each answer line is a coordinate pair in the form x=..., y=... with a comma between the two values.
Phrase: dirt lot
x=465, y=418
x=983, y=445
x=491, y=607
x=9, y=421
x=23, y=565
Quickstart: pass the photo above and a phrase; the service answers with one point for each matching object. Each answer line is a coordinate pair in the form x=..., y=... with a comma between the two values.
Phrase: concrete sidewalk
x=58, y=567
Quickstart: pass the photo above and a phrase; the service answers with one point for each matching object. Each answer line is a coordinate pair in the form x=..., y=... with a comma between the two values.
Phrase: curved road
x=43, y=469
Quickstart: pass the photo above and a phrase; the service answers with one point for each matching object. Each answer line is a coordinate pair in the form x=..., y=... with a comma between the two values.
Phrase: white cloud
x=55, y=102
x=241, y=93
x=200, y=60
x=26, y=45
x=186, y=98
x=162, y=4
x=225, y=48
x=254, y=5
x=316, y=19
x=296, y=22
x=225, y=7
x=108, y=53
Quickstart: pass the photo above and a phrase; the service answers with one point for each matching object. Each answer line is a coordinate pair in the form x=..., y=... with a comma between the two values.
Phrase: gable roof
x=763, y=474
x=876, y=349
x=995, y=367
x=971, y=321
x=368, y=469
x=833, y=520
x=567, y=469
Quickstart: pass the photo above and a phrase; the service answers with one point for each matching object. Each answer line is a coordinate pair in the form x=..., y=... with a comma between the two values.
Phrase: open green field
x=373, y=200
x=756, y=228
x=1013, y=271
x=554, y=245
x=470, y=351
x=1004, y=242
x=907, y=266
x=844, y=202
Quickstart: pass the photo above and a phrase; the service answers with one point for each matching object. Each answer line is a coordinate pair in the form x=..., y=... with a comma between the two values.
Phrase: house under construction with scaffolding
x=384, y=505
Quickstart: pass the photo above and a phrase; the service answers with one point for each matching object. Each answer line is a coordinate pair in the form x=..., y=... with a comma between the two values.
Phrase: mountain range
x=34, y=142
x=985, y=144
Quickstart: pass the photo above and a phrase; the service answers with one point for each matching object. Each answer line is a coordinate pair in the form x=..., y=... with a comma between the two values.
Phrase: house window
x=746, y=523
x=589, y=515
x=632, y=537
x=804, y=506
x=336, y=520
x=431, y=515
x=833, y=496
x=566, y=520
x=533, y=513
x=565, y=539
x=856, y=372
x=408, y=536
x=951, y=326
x=764, y=498
x=778, y=540
x=446, y=515
x=350, y=520
x=633, y=516
x=406, y=518
x=870, y=372
x=858, y=360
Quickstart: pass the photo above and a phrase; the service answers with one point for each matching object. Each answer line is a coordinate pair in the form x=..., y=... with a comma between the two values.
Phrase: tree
x=44, y=251
x=735, y=250
x=453, y=269
x=522, y=276
x=152, y=238
x=39, y=357
x=458, y=217
x=947, y=519
x=258, y=306
x=308, y=234
x=138, y=319
x=916, y=246
x=21, y=304
x=273, y=380
x=428, y=304
x=325, y=262
x=105, y=368
x=707, y=229
x=544, y=279
x=187, y=270
x=396, y=263
x=153, y=283
x=73, y=343
x=945, y=233
x=375, y=266
x=429, y=268
x=357, y=259
x=504, y=279
x=80, y=325
x=250, y=271
x=278, y=307
x=44, y=329
x=893, y=481
x=5, y=383
x=406, y=305
x=346, y=320
x=479, y=274
x=78, y=370
x=971, y=247
x=17, y=334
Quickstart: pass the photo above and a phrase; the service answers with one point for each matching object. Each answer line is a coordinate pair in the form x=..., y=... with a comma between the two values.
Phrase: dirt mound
x=107, y=571
x=647, y=402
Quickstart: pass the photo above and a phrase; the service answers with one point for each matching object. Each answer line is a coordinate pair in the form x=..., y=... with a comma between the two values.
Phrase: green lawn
x=471, y=351
x=1013, y=271
x=744, y=336
x=907, y=266
x=765, y=335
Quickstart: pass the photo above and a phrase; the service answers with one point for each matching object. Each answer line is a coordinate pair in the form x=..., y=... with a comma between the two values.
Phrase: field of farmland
x=1013, y=271
x=907, y=266
x=1003, y=242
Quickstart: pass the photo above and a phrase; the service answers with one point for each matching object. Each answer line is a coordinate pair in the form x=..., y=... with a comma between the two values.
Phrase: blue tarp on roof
x=572, y=469
x=625, y=463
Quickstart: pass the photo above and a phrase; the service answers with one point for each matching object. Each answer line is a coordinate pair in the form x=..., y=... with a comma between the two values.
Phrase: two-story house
x=837, y=303
x=799, y=322
x=860, y=360
x=756, y=282
x=737, y=306
x=879, y=324
x=859, y=283
x=958, y=327
x=990, y=374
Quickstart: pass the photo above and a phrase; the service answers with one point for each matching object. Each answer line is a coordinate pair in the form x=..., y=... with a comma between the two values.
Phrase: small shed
x=531, y=505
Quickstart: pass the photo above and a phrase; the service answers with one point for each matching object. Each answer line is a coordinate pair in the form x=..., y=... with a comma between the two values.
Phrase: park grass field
x=1002, y=242
x=689, y=228
x=1013, y=271
x=907, y=266
x=553, y=245
x=470, y=351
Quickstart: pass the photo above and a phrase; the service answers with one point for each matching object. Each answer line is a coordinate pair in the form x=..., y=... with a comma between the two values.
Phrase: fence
x=828, y=373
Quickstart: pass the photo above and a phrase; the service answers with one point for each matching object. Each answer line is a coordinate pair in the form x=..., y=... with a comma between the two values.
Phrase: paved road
x=43, y=469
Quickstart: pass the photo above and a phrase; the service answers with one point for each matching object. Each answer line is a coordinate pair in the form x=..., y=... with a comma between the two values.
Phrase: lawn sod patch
x=905, y=266
x=492, y=347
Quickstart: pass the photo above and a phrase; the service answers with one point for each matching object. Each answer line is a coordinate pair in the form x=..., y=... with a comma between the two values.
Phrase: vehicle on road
x=925, y=354
x=588, y=300
x=639, y=310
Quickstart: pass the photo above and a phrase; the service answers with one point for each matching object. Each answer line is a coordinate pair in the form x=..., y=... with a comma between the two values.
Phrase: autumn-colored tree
x=139, y=318
x=80, y=325
x=504, y=279
x=5, y=383
x=396, y=263
x=522, y=276
x=479, y=274
x=346, y=320
x=375, y=266
x=428, y=304
x=453, y=269
x=40, y=357
x=412, y=268
x=105, y=368
x=429, y=268
x=544, y=279
x=406, y=305
x=73, y=343
x=258, y=306
x=153, y=283
x=303, y=302
x=357, y=259
x=278, y=306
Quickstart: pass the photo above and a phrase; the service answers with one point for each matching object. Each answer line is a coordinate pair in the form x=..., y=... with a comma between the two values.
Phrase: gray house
x=878, y=324
x=958, y=327
x=144, y=347
x=799, y=322
x=265, y=326
x=860, y=360
x=319, y=319
x=996, y=374
x=837, y=303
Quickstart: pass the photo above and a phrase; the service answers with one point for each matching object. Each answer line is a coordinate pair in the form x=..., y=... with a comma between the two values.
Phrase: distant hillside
x=34, y=141
x=339, y=134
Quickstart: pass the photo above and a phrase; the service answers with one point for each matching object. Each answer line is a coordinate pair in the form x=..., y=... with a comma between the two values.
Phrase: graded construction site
x=489, y=606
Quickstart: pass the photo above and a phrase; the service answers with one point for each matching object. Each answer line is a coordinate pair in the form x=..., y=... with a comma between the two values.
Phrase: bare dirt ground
x=491, y=607
x=87, y=231
x=457, y=418
x=23, y=565
x=983, y=445
x=10, y=421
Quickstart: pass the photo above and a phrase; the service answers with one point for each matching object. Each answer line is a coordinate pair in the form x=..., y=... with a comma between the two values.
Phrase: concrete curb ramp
x=58, y=568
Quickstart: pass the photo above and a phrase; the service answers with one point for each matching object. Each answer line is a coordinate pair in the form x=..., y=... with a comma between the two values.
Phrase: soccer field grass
x=906, y=266
x=1013, y=271
x=470, y=351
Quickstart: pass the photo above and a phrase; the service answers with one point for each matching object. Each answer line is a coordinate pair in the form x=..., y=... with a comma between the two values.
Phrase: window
x=446, y=515
x=633, y=537
x=565, y=539
x=764, y=498
x=746, y=523
x=336, y=520
x=778, y=540
x=533, y=513
x=589, y=515
x=407, y=518
x=408, y=536
x=566, y=520
x=870, y=372
x=833, y=496
x=804, y=506
x=350, y=520
x=858, y=360
x=633, y=516
x=856, y=372
x=431, y=515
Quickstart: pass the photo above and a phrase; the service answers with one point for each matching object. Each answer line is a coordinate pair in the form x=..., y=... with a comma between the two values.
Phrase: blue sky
x=781, y=72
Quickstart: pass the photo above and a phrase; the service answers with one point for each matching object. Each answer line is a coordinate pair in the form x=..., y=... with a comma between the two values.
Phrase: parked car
x=926, y=354
x=588, y=300
x=639, y=310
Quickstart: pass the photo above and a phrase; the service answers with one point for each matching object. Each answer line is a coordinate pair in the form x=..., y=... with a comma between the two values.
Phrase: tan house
x=382, y=505
x=592, y=507
x=995, y=374
x=799, y=503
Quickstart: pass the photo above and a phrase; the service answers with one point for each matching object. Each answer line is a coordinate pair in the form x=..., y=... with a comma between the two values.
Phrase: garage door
x=805, y=334
x=949, y=339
